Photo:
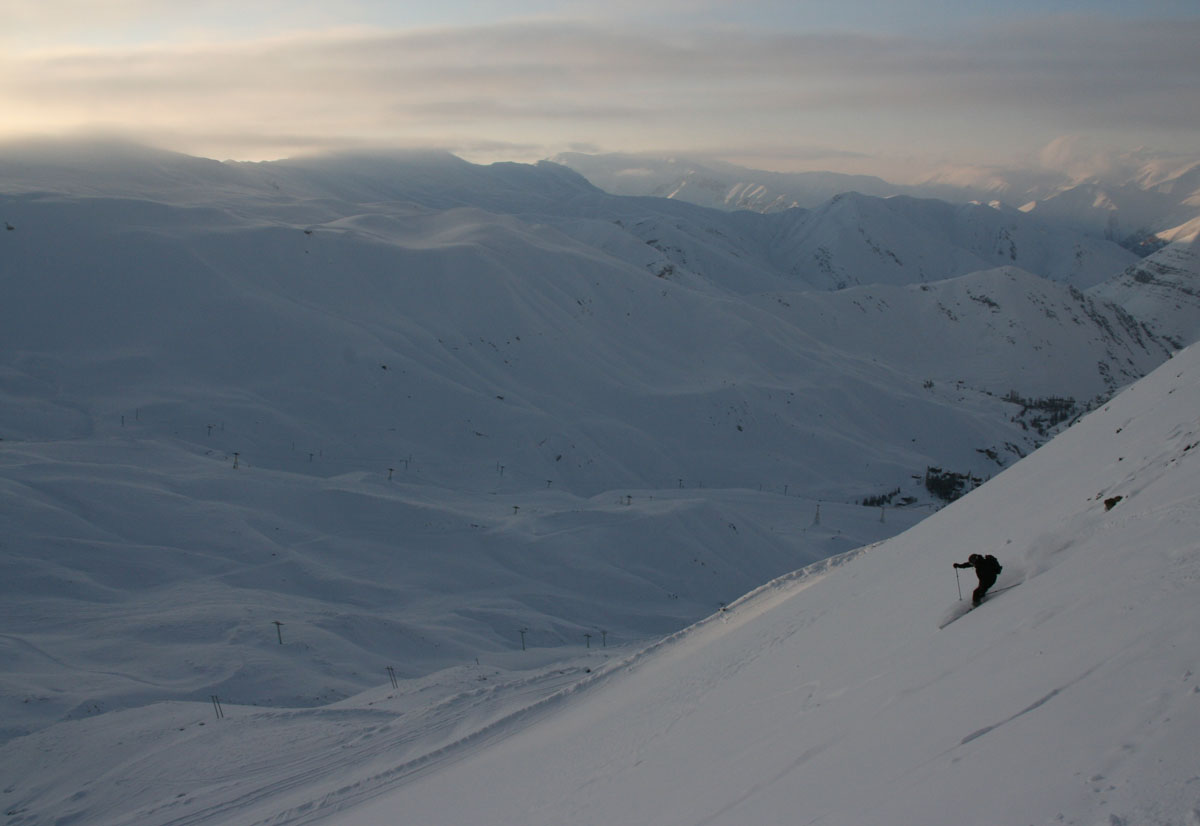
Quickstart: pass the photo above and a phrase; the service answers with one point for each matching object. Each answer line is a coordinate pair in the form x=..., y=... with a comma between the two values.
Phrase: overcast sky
x=878, y=85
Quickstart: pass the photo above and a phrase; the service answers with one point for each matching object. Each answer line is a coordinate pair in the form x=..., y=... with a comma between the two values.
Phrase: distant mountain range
x=410, y=406
x=1141, y=203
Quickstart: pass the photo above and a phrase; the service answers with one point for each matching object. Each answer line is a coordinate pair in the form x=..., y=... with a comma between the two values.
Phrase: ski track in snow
x=975, y=735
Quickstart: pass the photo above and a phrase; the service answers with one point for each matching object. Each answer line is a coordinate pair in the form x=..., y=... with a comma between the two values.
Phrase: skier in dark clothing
x=986, y=568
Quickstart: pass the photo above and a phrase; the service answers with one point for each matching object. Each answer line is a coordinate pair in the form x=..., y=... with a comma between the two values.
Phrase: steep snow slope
x=834, y=698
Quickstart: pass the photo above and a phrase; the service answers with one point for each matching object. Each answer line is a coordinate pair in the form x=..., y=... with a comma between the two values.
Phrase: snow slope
x=827, y=696
x=833, y=698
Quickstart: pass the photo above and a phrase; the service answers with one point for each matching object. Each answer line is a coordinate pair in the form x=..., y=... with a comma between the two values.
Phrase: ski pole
x=958, y=583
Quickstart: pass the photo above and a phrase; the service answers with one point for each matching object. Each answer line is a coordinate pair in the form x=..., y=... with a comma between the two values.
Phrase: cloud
x=552, y=84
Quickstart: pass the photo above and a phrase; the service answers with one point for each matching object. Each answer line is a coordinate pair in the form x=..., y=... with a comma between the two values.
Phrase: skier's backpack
x=994, y=564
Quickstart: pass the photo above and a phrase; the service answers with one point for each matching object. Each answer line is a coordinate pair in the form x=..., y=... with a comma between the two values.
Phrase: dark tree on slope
x=1048, y=412
x=881, y=499
x=948, y=485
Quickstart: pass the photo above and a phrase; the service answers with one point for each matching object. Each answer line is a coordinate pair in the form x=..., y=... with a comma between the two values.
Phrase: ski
x=960, y=610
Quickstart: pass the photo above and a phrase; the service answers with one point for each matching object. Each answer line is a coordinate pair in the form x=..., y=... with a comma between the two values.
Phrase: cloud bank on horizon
x=871, y=86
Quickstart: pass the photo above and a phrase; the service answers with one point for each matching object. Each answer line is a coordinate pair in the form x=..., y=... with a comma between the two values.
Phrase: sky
x=892, y=87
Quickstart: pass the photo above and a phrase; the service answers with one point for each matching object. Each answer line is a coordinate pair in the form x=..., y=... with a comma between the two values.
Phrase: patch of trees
x=886, y=499
x=948, y=485
x=1047, y=412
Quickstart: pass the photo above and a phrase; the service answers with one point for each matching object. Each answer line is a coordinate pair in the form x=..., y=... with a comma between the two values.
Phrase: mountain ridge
x=1124, y=200
x=449, y=421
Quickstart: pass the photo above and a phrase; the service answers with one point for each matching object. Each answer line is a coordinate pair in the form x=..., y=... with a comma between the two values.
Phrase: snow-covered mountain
x=857, y=239
x=850, y=238
x=834, y=697
x=829, y=695
x=716, y=184
x=1134, y=199
x=424, y=414
x=966, y=327
x=1152, y=204
x=1163, y=290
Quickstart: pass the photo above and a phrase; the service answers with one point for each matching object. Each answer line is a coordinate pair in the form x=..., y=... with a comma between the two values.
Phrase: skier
x=986, y=568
